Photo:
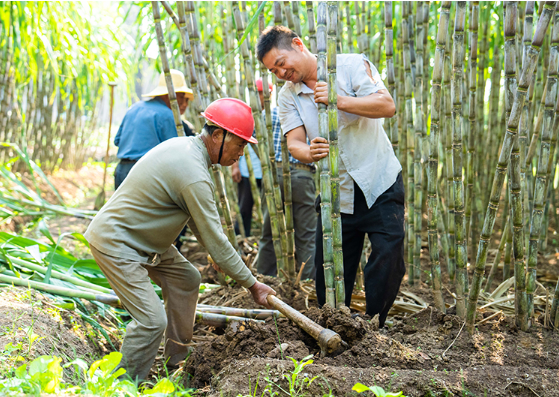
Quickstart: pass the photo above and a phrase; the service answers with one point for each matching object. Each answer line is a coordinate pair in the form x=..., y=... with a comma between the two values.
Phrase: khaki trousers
x=130, y=280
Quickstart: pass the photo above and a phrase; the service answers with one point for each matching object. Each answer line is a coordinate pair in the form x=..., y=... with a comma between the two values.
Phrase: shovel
x=100, y=200
x=328, y=340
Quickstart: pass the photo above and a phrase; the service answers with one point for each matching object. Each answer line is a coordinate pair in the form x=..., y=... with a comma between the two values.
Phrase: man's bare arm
x=374, y=106
x=298, y=147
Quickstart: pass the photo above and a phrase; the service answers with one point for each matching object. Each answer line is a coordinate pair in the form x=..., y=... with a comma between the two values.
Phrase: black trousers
x=246, y=202
x=121, y=172
x=385, y=268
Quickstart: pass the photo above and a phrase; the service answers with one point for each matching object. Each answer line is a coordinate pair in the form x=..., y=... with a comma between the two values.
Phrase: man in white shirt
x=371, y=187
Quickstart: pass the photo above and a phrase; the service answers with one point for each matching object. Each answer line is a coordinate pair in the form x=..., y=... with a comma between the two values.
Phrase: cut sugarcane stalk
x=220, y=320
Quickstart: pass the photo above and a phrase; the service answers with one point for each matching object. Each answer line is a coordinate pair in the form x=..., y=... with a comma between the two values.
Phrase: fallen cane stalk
x=238, y=312
x=220, y=320
x=328, y=340
x=62, y=291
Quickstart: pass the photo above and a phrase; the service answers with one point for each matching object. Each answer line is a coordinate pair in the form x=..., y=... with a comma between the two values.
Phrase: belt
x=300, y=166
x=124, y=161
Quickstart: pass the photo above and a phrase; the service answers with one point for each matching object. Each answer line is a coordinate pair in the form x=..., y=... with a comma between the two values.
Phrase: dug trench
x=425, y=354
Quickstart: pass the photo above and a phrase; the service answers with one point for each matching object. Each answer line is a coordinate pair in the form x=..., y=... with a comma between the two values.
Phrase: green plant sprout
x=376, y=390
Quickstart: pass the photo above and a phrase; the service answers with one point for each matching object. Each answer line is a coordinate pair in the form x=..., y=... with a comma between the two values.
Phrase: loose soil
x=429, y=353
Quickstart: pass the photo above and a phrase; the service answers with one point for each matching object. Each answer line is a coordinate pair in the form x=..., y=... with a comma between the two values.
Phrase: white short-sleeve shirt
x=366, y=154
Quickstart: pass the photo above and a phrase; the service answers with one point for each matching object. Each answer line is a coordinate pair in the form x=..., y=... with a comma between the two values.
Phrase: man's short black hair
x=211, y=128
x=274, y=37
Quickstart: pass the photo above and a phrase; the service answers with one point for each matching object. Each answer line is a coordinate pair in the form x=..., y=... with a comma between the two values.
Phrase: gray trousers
x=130, y=280
x=304, y=224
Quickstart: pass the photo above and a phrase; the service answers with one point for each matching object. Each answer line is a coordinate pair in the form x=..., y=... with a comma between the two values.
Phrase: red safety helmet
x=259, y=85
x=233, y=115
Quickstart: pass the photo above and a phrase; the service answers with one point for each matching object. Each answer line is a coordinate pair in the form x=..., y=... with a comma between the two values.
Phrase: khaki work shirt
x=366, y=154
x=169, y=187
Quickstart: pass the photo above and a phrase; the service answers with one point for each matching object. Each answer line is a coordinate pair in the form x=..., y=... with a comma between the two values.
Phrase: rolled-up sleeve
x=361, y=83
x=288, y=113
x=205, y=223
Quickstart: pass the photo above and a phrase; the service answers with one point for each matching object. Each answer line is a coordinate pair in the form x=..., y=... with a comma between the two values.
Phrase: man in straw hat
x=148, y=123
x=131, y=237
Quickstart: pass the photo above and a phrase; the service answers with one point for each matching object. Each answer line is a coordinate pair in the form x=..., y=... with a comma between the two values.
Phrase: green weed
x=376, y=390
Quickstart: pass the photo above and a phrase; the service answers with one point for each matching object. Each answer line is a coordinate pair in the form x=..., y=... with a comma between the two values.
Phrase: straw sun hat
x=179, y=83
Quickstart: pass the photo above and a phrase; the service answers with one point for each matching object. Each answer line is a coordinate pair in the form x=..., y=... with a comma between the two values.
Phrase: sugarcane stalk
x=232, y=193
x=221, y=320
x=328, y=340
x=254, y=188
x=544, y=159
x=194, y=36
x=286, y=170
x=456, y=94
x=324, y=163
x=166, y=69
x=473, y=124
x=496, y=261
x=288, y=262
x=262, y=136
x=516, y=238
x=188, y=62
x=108, y=299
x=334, y=155
x=410, y=153
x=447, y=131
x=59, y=275
x=390, y=127
x=504, y=157
x=254, y=314
x=224, y=203
x=418, y=144
x=311, y=26
x=442, y=34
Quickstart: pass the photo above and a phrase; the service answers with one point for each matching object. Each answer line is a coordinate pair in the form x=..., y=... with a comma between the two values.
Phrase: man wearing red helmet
x=131, y=238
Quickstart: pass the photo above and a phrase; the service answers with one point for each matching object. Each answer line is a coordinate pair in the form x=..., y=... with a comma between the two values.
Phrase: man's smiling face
x=286, y=64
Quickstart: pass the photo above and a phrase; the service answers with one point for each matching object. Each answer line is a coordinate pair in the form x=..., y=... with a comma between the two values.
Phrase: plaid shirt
x=276, y=128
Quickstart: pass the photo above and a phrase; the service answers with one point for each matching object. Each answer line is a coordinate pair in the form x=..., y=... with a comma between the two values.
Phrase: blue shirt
x=256, y=165
x=145, y=125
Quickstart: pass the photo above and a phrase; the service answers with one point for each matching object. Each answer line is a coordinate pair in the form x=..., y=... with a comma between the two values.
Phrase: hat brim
x=160, y=91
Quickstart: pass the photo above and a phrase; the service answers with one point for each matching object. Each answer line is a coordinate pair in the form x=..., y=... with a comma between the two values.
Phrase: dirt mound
x=431, y=347
x=233, y=295
x=31, y=326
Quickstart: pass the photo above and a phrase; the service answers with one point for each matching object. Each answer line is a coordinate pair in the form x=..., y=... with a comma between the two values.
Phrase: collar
x=301, y=88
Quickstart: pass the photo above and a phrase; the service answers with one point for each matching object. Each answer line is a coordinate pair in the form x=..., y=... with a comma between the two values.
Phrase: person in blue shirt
x=148, y=123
